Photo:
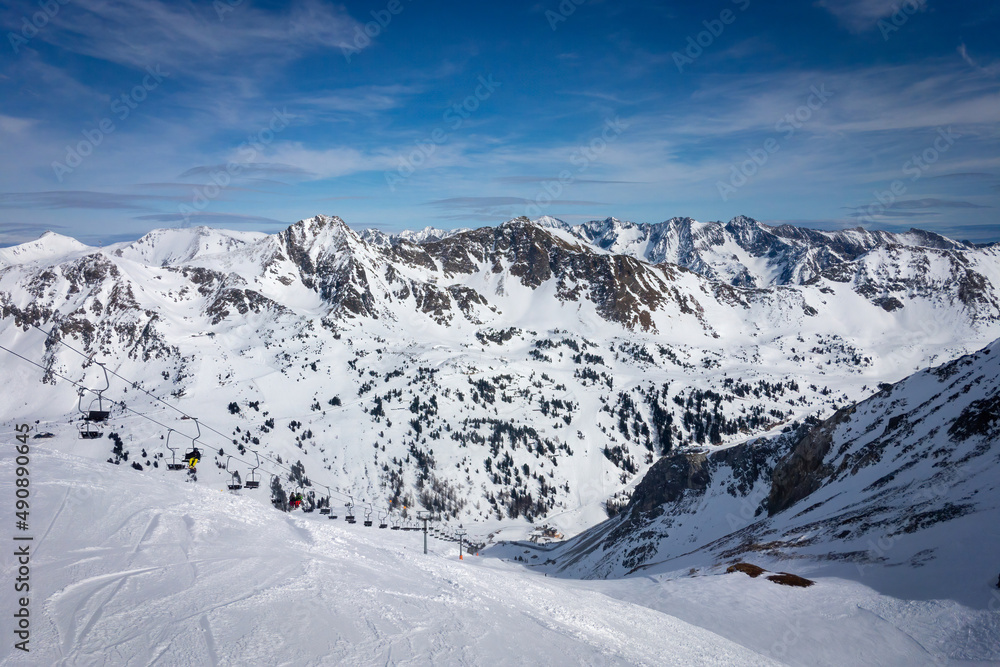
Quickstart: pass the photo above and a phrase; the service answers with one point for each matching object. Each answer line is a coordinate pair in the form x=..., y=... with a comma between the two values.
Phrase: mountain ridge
x=560, y=370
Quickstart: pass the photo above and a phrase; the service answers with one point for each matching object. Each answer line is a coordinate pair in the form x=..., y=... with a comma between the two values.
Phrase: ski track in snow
x=150, y=571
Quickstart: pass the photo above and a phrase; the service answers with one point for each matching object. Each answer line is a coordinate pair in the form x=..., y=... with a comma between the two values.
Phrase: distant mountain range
x=532, y=369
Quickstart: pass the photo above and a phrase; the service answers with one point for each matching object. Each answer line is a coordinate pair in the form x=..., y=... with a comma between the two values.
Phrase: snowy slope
x=135, y=569
x=899, y=491
x=50, y=248
x=131, y=568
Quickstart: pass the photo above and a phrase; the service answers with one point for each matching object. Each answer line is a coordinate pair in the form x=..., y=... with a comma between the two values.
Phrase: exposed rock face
x=918, y=457
x=667, y=481
x=803, y=470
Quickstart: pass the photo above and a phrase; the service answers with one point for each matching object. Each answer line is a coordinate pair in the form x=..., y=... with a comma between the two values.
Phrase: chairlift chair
x=100, y=414
x=195, y=453
x=87, y=431
x=253, y=481
x=86, y=427
x=234, y=477
x=368, y=516
x=349, y=517
x=173, y=465
x=381, y=520
x=302, y=505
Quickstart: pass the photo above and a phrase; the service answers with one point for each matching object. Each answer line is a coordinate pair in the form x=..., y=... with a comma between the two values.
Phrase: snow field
x=130, y=568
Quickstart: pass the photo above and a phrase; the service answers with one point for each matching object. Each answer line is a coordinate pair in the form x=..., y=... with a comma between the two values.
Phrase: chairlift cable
x=135, y=385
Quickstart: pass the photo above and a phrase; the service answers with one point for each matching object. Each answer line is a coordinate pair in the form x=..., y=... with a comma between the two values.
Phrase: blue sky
x=120, y=116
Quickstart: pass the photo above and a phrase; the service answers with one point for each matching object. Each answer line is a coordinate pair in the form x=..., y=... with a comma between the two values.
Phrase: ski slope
x=133, y=569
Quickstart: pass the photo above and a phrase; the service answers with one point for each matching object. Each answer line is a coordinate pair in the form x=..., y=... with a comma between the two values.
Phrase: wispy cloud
x=477, y=202
x=927, y=206
x=861, y=15
x=11, y=125
x=363, y=100
x=196, y=38
x=330, y=162
x=81, y=199
x=248, y=169
x=534, y=180
x=932, y=203
x=211, y=218
x=990, y=70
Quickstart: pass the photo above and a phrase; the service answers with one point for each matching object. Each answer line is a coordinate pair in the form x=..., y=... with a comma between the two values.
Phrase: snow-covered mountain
x=900, y=491
x=425, y=235
x=523, y=371
x=748, y=253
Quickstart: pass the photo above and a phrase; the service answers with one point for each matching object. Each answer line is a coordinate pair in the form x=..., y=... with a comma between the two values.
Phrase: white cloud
x=861, y=15
x=12, y=125
x=329, y=162
x=196, y=39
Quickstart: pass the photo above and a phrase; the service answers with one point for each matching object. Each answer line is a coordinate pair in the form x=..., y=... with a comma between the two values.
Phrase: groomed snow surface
x=131, y=568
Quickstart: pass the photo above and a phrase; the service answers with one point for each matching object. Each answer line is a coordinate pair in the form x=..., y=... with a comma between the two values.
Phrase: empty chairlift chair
x=381, y=520
x=99, y=415
x=253, y=480
x=87, y=428
x=174, y=463
x=368, y=517
x=234, y=477
x=326, y=510
x=88, y=431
